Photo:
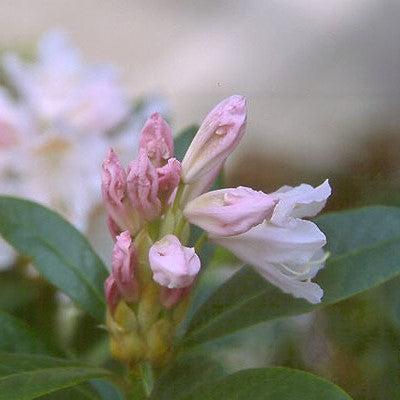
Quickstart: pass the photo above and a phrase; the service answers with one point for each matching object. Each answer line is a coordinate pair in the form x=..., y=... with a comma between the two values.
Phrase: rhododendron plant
x=148, y=203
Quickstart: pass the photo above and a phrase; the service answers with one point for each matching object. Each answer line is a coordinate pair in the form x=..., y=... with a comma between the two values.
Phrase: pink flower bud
x=113, y=188
x=173, y=265
x=113, y=228
x=156, y=140
x=112, y=293
x=169, y=176
x=229, y=212
x=218, y=136
x=124, y=261
x=171, y=297
x=142, y=185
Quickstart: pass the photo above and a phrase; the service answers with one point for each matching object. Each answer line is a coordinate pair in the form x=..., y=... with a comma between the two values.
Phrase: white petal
x=292, y=245
x=310, y=291
x=301, y=201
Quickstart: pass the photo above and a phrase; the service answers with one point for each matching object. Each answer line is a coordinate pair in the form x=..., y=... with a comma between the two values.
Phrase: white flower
x=285, y=249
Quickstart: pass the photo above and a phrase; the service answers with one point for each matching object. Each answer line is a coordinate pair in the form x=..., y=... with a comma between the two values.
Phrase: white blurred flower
x=63, y=92
x=54, y=136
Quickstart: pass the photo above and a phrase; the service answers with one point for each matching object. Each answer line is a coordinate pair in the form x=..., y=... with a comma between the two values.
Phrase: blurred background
x=322, y=79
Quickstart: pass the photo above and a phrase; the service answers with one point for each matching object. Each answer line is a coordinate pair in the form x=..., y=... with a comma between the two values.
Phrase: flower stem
x=147, y=378
x=200, y=242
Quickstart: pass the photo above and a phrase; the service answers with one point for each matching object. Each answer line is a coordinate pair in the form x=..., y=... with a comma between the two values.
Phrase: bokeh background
x=322, y=80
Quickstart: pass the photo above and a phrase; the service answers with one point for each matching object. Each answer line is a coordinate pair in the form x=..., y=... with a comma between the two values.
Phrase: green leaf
x=16, y=291
x=28, y=376
x=107, y=390
x=269, y=384
x=185, y=375
x=365, y=250
x=59, y=252
x=183, y=140
x=16, y=337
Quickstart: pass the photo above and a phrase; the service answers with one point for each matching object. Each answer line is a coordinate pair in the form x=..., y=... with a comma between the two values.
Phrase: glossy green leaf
x=59, y=252
x=28, y=376
x=183, y=140
x=16, y=337
x=269, y=384
x=365, y=252
x=185, y=375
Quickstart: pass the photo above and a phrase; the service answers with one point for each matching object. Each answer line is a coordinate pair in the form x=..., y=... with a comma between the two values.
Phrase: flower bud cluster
x=151, y=205
x=151, y=275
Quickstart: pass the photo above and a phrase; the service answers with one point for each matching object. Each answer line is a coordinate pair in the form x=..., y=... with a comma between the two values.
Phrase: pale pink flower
x=228, y=212
x=156, y=139
x=142, y=187
x=173, y=265
x=124, y=263
x=218, y=136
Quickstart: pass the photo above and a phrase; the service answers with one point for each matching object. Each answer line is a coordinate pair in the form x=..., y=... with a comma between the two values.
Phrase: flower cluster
x=151, y=205
x=55, y=128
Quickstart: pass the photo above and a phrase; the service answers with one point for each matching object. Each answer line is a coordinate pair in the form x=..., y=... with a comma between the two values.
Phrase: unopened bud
x=218, y=136
x=156, y=139
x=173, y=265
x=228, y=212
x=124, y=262
x=168, y=177
x=142, y=187
x=115, y=197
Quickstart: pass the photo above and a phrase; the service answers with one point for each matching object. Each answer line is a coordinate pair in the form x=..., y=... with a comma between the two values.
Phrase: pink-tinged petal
x=124, y=262
x=156, y=140
x=300, y=201
x=169, y=176
x=228, y=212
x=283, y=255
x=142, y=187
x=202, y=185
x=173, y=265
x=218, y=136
x=112, y=293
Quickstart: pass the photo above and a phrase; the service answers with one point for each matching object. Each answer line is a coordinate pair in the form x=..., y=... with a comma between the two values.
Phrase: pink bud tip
x=124, y=261
x=173, y=265
x=229, y=212
x=156, y=140
x=218, y=136
x=142, y=184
